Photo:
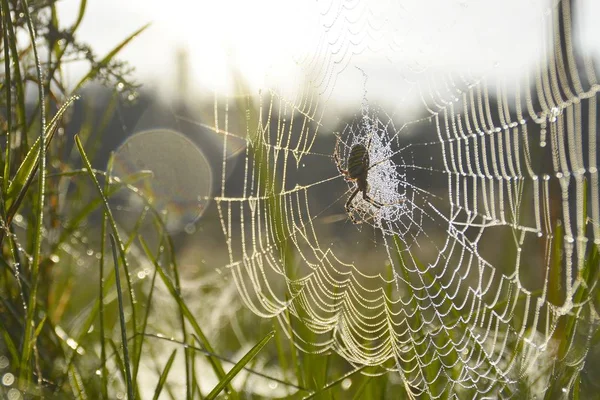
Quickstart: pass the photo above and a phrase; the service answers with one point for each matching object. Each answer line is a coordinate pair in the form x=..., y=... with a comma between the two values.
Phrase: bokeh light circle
x=178, y=178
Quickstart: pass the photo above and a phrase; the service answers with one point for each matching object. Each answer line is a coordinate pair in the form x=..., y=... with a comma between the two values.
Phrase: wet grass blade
x=188, y=356
x=216, y=365
x=126, y=360
x=239, y=366
x=100, y=301
x=107, y=59
x=8, y=83
x=18, y=81
x=555, y=287
x=80, y=14
x=163, y=376
x=203, y=351
x=333, y=383
x=76, y=384
x=362, y=388
x=117, y=358
x=27, y=169
x=29, y=345
x=10, y=345
x=115, y=230
x=279, y=337
x=138, y=350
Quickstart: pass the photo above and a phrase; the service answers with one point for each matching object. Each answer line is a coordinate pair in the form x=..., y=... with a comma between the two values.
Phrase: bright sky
x=266, y=40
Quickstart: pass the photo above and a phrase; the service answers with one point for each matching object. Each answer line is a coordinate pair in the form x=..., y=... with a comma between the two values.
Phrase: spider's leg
x=349, y=201
x=349, y=207
x=372, y=201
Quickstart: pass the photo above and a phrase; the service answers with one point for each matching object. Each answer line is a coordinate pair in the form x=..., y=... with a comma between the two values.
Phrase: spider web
x=490, y=209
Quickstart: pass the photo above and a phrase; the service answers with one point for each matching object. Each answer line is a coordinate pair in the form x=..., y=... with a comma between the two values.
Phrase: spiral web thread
x=516, y=171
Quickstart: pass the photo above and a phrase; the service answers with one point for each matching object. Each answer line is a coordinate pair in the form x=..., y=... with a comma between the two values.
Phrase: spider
x=358, y=172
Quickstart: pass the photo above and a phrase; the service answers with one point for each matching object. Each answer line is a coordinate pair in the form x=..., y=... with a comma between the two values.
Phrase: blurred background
x=204, y=44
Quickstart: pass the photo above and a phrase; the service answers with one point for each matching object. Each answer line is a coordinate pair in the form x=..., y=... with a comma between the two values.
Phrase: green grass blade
x=118, y=360
x=362, y=388
x=279, y=337
x=239, y=366
x=113, y=223
x=76, y=384
x=188, y=356
x=97, y=310
x=28, y=343
x=39, y=328
x=8, y=83
x=555, y=287
x=100, y=302
x=17, y=81
x=27, y=169
x=576, y=389
x=138, y=350
x=163, y=375
x=216, y=365
x=126, y=359
x=104, y=62
x=334, y=383
x=80, y=14
x=203, y=351
x=10, y=345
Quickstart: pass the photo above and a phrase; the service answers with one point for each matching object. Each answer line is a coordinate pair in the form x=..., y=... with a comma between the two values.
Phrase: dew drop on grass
x=72, y=343
x=346, y=383
x=8, y=379
x=14, y=394
x=190, y=229
x=569, y=239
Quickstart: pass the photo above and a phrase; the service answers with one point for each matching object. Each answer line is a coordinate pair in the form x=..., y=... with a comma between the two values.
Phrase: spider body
x=358, y=162
x=357, y=171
